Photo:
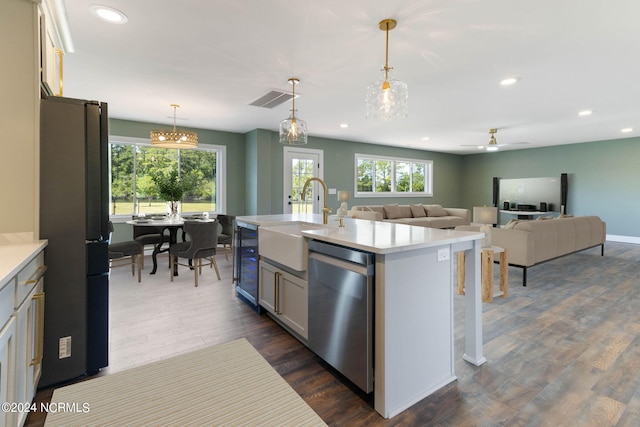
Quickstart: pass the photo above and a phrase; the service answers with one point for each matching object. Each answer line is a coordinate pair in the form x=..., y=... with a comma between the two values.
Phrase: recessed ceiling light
x=508, y=81
x=344, y=125
x=109, y=14
x=426, y=138
x=585, y=113
x=626, y=130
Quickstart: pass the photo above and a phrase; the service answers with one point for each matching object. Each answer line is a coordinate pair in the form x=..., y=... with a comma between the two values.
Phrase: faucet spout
x=325, y=209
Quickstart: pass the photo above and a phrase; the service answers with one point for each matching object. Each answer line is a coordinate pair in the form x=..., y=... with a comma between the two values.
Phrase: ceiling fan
x=493, y=145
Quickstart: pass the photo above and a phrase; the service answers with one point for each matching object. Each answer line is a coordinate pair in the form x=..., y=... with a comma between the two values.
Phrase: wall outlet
x=443, y=254
x=64, y=348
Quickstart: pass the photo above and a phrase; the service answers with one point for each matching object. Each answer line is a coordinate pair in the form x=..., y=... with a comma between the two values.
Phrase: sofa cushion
x=418, y=211
x=395, y=211
x=370, y=215
x=392, y=211
x=435, y=210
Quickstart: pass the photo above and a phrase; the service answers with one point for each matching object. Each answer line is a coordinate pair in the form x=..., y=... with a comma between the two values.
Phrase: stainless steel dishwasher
x=341, y=310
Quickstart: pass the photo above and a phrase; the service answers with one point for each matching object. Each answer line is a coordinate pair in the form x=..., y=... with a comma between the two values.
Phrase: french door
x=301, y=164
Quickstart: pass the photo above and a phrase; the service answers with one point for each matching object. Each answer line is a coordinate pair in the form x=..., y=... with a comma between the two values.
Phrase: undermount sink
x=285, y=244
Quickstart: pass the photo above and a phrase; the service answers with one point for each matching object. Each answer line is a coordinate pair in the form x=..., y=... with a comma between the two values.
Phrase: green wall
x=603, y=175
x=604, y=178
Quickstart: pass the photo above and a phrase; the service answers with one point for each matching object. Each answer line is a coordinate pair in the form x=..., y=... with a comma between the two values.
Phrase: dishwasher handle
x=341, y=252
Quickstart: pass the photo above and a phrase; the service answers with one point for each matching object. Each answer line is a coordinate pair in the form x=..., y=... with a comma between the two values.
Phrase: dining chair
x=203, y=239
x=225, y=234
x=125, y=253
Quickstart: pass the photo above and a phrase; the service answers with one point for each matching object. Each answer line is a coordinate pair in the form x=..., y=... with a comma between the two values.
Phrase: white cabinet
x=7, y=369
x=21, y=328
x=51, y=53
x=29, y=334
x=285, y=296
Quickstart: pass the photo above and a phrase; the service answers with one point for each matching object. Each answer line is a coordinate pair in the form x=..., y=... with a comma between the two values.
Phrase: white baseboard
x=623, y=239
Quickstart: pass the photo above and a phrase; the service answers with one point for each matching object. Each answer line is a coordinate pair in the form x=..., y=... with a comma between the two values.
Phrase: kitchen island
x=413, y=309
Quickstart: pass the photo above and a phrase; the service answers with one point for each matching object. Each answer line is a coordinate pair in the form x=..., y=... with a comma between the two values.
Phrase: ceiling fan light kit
x=175, y=138
x=387, y=98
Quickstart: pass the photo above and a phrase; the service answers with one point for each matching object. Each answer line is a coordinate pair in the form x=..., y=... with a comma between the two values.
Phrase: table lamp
x=343, y=197
x=487, y=216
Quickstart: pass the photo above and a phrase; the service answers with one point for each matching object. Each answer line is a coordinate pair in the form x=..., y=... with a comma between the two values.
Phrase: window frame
x=221, y=162
x=428, y=177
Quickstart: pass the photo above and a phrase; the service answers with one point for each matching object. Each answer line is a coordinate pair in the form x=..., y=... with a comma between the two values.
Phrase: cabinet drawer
x=29, y=277
x=6, y=301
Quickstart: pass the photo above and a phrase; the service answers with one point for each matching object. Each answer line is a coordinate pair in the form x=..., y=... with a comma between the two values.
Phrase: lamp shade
x=344, y=195
x=485, y=215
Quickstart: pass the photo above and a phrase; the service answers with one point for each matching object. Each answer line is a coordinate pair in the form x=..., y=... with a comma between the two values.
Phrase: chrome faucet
x=325, y=209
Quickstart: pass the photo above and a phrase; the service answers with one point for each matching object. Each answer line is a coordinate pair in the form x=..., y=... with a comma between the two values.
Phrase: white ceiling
x=215, y=57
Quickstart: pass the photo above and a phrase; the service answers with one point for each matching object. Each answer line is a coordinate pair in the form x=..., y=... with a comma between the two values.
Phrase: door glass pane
x=301, y=170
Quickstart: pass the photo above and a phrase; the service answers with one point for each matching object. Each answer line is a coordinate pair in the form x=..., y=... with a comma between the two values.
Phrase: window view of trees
x=134, y=166
x=393, y=176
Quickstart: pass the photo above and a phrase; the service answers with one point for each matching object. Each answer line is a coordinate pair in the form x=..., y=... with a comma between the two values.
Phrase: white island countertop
x=372, y=236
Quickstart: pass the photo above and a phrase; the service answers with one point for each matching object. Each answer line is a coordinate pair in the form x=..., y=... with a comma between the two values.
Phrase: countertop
x=372, y=236
x=15, y=254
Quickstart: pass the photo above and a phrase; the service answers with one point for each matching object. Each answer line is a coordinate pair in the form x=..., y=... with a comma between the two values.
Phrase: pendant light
x=387, y=98
x=175, y=138
x=293, y=131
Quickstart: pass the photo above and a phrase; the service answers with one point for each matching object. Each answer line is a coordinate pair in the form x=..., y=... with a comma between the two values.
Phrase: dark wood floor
x=564, y=351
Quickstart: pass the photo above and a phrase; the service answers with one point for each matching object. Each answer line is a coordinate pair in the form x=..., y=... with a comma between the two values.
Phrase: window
x=391, y=176
x=133, y=163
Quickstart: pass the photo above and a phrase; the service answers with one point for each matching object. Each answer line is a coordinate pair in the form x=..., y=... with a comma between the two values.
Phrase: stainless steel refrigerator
x=74, y=196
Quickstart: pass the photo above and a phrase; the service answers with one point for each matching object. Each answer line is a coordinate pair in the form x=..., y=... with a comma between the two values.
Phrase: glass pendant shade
x=293, y=131
x=387, y=99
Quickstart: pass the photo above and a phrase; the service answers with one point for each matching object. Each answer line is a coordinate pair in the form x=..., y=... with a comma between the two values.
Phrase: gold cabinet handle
x=37, y=275
x=40, y=331
x=277, y=285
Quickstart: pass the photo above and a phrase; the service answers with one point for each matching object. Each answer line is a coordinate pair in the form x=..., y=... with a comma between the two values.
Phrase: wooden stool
x=486, y=262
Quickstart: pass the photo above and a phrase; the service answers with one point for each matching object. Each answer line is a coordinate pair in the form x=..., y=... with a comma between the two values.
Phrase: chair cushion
x=152, y=239
x=123, y=249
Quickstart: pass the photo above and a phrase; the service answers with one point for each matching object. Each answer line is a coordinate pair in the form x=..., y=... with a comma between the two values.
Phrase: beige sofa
x=434, y=216
x=532, y=242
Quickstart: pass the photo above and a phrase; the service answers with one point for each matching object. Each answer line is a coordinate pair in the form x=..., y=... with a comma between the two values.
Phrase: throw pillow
x=435, y=210
x=392, y=211
x=542, y=218
x=418, y=211
x=511, y=224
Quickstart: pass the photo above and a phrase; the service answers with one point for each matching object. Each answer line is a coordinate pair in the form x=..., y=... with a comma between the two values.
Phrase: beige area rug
x=225, y=385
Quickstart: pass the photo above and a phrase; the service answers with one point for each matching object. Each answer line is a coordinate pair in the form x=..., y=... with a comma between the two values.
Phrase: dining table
x=172, y=225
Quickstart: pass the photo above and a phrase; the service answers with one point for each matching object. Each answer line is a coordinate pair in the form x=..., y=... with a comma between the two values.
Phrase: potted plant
x=171, y=187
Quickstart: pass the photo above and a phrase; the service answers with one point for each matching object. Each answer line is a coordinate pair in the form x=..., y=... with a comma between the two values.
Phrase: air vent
x=272, y=99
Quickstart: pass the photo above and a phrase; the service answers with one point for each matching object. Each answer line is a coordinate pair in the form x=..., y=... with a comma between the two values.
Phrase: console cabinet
x=285, y=296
